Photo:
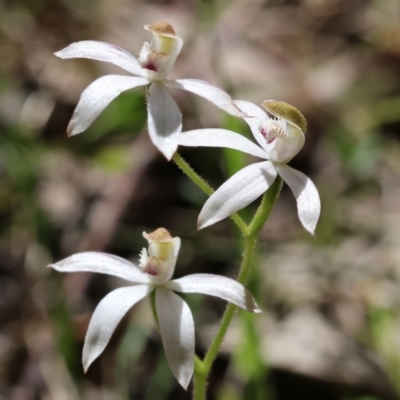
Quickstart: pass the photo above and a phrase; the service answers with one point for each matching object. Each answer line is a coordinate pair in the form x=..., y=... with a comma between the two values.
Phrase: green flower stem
x=202, y=369
x=200, y=384
x=265, y=208
x=154, y=308
x=205, y=187
x=188, y=170
x=230, y=309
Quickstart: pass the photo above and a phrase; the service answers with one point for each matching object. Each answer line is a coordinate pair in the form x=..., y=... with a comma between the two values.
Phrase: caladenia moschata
x=153, y=277
x=164, y=119
x=280, y=138
x=279, y=130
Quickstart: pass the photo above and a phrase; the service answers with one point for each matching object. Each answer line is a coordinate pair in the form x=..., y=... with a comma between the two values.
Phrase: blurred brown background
x=331, y=326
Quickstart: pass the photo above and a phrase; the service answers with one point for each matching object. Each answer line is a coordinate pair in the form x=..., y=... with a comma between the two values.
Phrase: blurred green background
x=331, y=326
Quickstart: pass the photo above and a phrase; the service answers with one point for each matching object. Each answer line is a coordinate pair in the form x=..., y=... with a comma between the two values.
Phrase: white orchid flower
x=156, y=267
x=155, y=62
x=280, y=138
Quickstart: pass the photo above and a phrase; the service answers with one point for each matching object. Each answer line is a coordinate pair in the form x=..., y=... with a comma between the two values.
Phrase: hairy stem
x=264, y=210
x=230, y=309
x=205, y=187
x=154, y=308
x=202, y=369
x=199, y=383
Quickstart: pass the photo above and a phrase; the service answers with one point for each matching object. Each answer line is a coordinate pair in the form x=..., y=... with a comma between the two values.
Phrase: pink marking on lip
x=151, y=67
x=151, y=271
x=263, y=132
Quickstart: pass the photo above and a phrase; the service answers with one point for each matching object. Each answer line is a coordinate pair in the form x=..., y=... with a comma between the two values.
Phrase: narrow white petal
x=177, y=332
x=164, y=119
x=102, y=51
x=102, y=263
x=306, y=194
x=257, y=123
x=97, y=96
x=106, y=317
x=220, y=138
x=216, y=285
x=237, y=192
x=212, y=93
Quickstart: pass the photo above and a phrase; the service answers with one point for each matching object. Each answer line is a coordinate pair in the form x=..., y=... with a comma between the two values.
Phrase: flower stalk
x=250, y=232
x=203, y=368
x=205, y=187
x=265, y=208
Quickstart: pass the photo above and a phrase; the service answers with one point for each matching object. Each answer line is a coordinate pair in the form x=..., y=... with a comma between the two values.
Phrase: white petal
x=219, y=138
x=164, y=119
x=216, y=285
x=97, y=96
x=257, y=123
x=306, y=194
x=102, y=263
x=177, y=332
x=212, y=93
x=102, y=51
x=106, y=317
x=237, y=192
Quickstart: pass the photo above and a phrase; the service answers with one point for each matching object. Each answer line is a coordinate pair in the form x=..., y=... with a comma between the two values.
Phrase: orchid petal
x=164, y=119
x=257, y=123
x=306, y=194
x=102, y=263
x=219, y=138
x=212, y=93
x=237, y=192
x=216, y=285
x=177, y=332
x=102, y=51
x=97, y=96
x=107, y=316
